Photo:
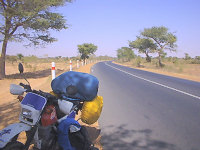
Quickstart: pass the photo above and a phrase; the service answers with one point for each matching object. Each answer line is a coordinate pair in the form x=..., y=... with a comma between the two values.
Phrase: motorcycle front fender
x=10, y=131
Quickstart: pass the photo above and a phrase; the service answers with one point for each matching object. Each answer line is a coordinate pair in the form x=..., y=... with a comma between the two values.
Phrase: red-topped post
x=70, y=66
x=53, y=70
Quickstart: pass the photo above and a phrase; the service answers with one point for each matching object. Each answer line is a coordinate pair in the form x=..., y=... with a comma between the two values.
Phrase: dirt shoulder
x=178, y=75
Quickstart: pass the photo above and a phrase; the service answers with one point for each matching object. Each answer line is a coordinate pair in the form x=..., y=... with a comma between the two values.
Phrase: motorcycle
x=42, y=117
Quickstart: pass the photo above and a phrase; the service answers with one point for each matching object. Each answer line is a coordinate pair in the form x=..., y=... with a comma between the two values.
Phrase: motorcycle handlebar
x=27, y=87
x=44, y=94
x=50, y=97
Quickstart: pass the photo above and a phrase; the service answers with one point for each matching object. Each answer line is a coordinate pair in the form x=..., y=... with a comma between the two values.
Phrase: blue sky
x=110, y=24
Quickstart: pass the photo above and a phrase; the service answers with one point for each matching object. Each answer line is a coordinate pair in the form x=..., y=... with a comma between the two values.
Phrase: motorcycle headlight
x=26, y=113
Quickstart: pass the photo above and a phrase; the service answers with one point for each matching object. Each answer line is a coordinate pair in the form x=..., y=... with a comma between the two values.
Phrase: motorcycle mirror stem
x=21, y=71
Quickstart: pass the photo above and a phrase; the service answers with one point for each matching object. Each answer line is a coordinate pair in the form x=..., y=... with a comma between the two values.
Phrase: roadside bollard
x=70, y=66
x=77, y=63
x=53, y=71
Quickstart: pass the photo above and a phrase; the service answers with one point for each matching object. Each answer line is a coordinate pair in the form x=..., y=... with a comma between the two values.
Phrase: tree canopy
x=162, y=39
x=125, y=53
x=187, y=56
x=28, y=19
x=20, y=56
x=86, y=49
x=143, y=45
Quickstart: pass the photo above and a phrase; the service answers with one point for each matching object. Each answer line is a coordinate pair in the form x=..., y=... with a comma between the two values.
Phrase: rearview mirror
x=20, y=68
x=16, y=89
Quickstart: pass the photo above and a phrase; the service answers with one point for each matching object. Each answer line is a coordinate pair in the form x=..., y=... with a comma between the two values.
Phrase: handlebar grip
x=27, y=87
x=22, y=84
x=50, y=97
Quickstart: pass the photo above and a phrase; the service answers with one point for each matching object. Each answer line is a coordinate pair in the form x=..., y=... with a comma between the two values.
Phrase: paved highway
x=147, y=111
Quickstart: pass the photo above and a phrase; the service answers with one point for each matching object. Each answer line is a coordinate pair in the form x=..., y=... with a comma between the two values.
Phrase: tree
x=197, y=60
x=162, y=39
x=187, y=56
x=125, y=53
x=197, y=57
x=28, y=19
x=86, y=49
x=20, y=56
x=143, y=45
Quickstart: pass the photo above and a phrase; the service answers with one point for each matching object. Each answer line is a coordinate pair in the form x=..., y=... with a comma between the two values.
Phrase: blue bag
x=63, y=133
x=86, y=85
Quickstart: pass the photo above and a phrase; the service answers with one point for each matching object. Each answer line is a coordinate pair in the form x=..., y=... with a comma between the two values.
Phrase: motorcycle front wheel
x=14, y=146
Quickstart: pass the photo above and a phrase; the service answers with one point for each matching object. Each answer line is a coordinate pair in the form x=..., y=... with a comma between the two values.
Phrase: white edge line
x=155, y=82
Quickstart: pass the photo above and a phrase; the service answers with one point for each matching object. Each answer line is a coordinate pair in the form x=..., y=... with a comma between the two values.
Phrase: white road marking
x=155, y=82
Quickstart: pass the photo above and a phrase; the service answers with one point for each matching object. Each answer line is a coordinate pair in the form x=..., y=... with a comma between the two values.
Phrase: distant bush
x=196, y=60
x=11, y=59
x=138, y=61
x=197, y=57
x=187, y=56
x=20, y=57
x=175, y=60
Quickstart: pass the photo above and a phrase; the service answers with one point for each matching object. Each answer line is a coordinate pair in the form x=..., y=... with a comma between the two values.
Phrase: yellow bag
x=91, y=110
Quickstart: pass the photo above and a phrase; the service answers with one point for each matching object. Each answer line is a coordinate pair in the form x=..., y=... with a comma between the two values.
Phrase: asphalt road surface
x=147, y=111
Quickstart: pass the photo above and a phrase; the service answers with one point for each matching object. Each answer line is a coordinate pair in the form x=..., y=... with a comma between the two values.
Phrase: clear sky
x=110, y=24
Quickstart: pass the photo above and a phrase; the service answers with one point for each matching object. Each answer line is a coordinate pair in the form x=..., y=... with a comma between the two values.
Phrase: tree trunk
x=84, y=61
x=160, y=61
x=3, y=58
x=148, y=58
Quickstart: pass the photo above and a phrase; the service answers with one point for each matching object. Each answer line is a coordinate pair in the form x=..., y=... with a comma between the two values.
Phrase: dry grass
x=33, y=66
x=178, y=69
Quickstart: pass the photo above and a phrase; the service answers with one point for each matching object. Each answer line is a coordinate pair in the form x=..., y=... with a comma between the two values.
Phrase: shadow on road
x=120, y=138
x=36, y=74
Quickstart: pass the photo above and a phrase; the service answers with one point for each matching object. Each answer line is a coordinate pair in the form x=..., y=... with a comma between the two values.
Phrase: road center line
x=155, y=82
